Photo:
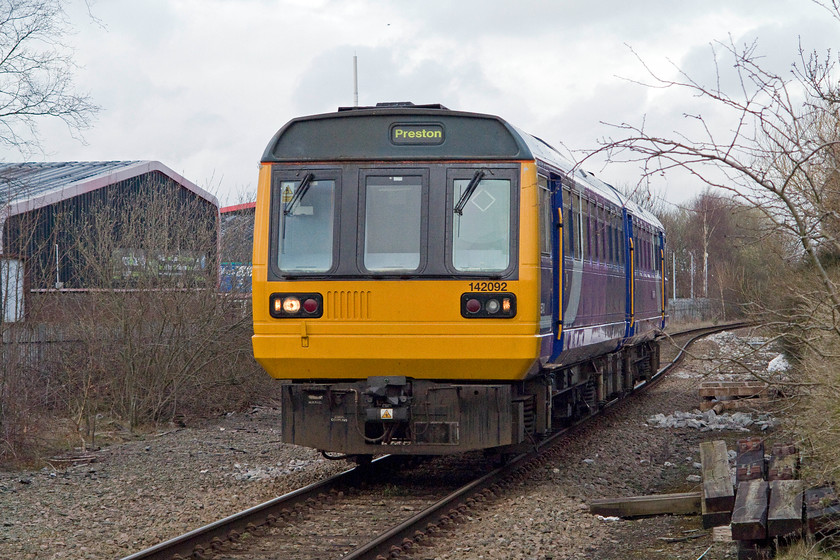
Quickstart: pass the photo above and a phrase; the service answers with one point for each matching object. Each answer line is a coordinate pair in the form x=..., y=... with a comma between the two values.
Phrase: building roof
x=238, y=207
x=29, y=186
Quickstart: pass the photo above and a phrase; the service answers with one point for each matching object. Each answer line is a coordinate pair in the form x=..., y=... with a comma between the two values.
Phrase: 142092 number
x=488, y=286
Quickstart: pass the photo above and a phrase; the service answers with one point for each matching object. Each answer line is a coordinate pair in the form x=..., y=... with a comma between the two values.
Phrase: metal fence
x=692, y=310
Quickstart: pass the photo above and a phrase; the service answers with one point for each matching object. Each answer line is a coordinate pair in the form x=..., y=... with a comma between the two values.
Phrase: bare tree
x=780, y=156
x=777, y=156
x=155, y=340
x=36, y=73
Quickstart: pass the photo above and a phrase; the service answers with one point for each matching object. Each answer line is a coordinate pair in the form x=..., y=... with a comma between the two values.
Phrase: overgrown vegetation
x=722, y=249
x=778, y=166
x=138, y=334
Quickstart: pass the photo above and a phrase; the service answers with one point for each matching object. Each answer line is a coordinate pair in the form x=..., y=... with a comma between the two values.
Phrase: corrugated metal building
x=77, y=226
x=237, y=230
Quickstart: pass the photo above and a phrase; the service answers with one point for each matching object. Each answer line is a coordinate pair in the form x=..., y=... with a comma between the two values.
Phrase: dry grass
x=812, y=333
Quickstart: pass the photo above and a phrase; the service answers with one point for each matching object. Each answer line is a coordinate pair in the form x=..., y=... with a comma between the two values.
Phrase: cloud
x=202, y=85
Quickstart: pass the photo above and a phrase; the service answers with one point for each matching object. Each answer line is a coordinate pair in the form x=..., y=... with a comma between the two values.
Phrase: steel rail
x=403, y=535
x=229, y=528
x=700, y=333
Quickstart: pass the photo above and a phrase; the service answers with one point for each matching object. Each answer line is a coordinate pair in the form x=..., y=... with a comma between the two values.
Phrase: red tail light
x=310, y=305
x=473, y=305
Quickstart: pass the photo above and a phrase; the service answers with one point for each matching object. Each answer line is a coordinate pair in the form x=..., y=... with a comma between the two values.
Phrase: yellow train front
x=401, y=287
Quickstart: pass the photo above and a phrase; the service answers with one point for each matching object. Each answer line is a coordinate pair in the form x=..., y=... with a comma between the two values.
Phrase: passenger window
x=619, y=244
x=650, y=251
x=637, y=248
x=587, y=230
x=568, y=225
x=578, y=209
x=602, y=235
x=393, y=209
x=658, y=252
x=654, y=252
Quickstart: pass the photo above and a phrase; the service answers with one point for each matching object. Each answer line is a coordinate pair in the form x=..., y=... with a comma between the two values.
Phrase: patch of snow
x=779, y=364
x=711, y=421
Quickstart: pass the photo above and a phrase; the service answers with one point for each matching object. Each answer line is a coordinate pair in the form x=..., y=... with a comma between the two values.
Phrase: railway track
x=375, y=511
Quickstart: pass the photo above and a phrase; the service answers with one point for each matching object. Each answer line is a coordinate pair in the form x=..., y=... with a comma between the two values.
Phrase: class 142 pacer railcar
x=429, y=281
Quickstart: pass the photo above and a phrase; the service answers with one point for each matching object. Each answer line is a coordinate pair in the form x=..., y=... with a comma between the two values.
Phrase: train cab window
x=482, y=223
x=305, y=220
x=545, y=216
x=393, y=211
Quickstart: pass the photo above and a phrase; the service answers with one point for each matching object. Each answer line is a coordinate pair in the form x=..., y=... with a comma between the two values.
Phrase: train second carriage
x=428, y=281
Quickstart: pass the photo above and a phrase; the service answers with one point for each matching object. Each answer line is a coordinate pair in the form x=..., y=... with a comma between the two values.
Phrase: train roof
x=396, y=132
x=405, y=131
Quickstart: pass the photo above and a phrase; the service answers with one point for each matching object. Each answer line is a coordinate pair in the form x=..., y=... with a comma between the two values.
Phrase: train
x=429, y=281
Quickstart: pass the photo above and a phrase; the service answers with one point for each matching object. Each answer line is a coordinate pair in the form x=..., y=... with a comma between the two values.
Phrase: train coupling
x=388, y=398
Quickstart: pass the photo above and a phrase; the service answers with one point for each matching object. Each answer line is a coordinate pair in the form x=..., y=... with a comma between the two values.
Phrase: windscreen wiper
x=301, y=190
x=468, y=192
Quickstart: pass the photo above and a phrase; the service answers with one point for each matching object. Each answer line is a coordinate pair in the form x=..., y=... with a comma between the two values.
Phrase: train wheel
x=363, y=460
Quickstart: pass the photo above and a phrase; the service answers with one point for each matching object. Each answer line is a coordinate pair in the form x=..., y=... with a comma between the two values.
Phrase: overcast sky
x=202, y=85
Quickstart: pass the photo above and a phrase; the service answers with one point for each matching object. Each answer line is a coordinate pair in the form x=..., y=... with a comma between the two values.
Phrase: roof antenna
x=355, y=81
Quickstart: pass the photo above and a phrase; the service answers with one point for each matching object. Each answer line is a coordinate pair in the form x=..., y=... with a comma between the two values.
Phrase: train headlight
x=485, y=305
x=296, y=306
x=291, y=305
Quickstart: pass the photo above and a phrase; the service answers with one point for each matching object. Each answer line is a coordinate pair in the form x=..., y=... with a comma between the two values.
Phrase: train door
x=547, y=223
x=663, y=279
x=558, y=239
x=630, y=273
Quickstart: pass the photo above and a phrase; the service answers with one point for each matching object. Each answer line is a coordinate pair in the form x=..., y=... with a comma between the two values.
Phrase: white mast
x=355, y=81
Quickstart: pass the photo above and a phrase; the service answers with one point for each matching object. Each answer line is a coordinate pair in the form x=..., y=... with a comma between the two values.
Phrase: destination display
x=429, y=134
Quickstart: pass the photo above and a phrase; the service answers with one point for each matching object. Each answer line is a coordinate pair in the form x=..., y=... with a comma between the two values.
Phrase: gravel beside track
x=617, y=455
x=140, y=493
